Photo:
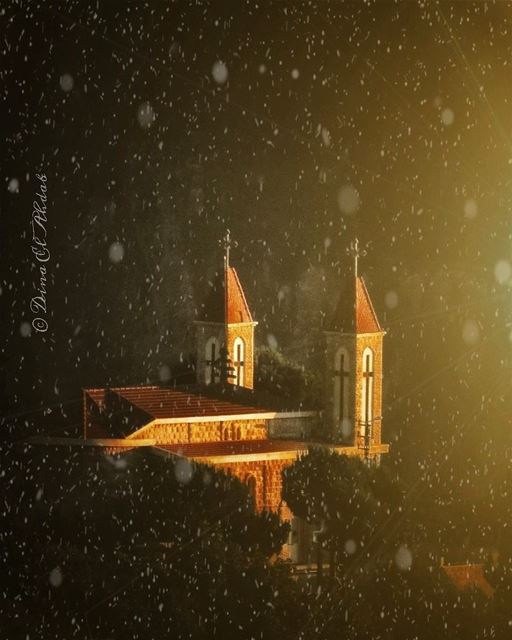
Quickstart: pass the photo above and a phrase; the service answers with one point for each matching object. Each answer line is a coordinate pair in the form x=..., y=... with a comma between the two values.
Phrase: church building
x=221, y=421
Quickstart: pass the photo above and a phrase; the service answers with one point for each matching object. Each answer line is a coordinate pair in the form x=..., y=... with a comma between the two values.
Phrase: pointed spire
x=227, y=303
x=355, y=312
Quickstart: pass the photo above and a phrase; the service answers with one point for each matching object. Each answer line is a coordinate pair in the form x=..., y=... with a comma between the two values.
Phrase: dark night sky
x=296, y=125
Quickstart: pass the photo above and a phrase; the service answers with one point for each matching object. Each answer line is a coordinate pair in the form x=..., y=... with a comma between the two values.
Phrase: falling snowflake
x=348, y=199
x=220, y=72
x=66, y=82
x=116, y=252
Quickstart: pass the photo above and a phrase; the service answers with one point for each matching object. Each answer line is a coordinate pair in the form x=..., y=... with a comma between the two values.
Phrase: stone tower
x=353, y=382
x=225, y=332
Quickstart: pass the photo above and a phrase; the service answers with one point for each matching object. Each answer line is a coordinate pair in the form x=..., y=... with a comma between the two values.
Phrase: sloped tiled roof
x=355, y=312
x=466, y=576
x=226, y=302
x=161, y=402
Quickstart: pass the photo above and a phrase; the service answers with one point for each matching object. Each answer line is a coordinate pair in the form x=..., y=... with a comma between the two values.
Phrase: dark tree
x=97, y=546
x=279, y=375
x=334, y=493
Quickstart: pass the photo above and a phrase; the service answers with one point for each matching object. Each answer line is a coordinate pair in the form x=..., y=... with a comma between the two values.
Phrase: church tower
x=354, y=367
x=225, y=332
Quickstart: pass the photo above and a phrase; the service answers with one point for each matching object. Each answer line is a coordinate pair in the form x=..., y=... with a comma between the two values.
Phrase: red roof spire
x=226, y=303
x=355, y=312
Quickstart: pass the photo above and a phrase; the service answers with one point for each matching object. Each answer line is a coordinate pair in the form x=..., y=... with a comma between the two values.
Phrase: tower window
x=367, y=391
x=239, y=361
x=251, y=483
x=212, y=353
x=341, y=374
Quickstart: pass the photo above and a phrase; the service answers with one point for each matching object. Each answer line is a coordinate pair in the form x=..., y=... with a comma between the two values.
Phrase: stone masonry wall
x=374, y=341
x=269, y=484
x=355, y=347
x=268, y=488
x=333, y=343
x=215, y=431
x=292, y=428
x=246, y=332
x=205, y=331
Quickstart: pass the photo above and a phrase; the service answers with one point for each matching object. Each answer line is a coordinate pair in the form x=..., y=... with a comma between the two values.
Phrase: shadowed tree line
x=385, y=545
x=140, y=546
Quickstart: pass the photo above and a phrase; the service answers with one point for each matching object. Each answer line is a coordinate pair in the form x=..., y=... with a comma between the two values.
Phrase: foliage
x=323, y=486
x=101, y=546
x=279, y=375
x=389, y=603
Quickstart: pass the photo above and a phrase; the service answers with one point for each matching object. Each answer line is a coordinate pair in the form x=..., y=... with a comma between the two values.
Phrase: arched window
x=225, y=435
x=251, y=483
x=239, y=361
x=367, y=390
x=211, y=352
x=341, y=374
x=239, y=433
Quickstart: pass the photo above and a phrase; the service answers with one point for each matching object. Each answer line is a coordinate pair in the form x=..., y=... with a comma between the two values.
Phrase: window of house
x=212, y=352
x=251, y=483
x=239, y=361
x=367, y=390
x=341, y=376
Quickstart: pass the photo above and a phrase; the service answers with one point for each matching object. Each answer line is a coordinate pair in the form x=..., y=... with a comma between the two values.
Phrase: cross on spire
x=227, y=245
x=356, y=253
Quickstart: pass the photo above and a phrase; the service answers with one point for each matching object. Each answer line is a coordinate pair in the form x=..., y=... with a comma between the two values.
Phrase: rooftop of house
x=468, y=576
x=165, y=403
x=355, y=312
x=121, y=411
x=226, y=302
x=159, y=402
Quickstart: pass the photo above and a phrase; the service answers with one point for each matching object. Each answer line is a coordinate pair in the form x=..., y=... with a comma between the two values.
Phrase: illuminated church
x=220, y=421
